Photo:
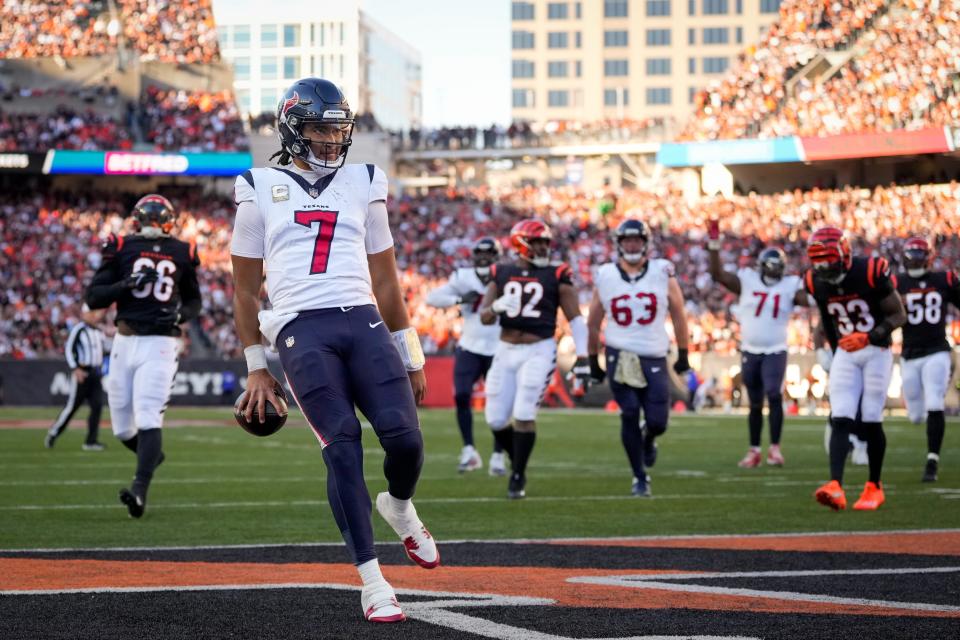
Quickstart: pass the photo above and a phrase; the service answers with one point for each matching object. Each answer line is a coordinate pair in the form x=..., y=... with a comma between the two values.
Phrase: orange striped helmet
x=153, y=215
x=522, y=236
x=829, y=252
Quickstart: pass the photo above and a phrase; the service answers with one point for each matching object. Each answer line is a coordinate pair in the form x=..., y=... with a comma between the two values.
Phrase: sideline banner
x=872, y=145
x=21, y=162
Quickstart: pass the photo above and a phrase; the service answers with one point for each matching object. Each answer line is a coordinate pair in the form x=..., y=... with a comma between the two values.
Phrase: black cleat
x=515, y=490
x=649, y=452
x=49, y=440
x=641, y=488
x=135, y=504
x=930, y=472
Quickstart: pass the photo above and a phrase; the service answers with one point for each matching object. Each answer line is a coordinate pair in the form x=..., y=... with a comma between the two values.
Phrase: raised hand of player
x=260, y=391
x=418, y=382
x=854, y=341
x=597, y=374
x=713, y=234
x=139, y=278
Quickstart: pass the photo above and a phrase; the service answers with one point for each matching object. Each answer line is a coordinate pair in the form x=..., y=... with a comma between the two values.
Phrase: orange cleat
x=752, y=460
x=831, y=495
x=775, y=456
x=871, y=498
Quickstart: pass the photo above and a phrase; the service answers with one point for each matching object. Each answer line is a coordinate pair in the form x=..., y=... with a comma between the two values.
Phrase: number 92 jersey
x=539, y=291
x=853, y=305
x=925, y=300
x=176, y=263
x=636, y=307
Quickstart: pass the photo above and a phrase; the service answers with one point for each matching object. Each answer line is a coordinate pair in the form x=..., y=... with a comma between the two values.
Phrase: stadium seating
x=49, y=248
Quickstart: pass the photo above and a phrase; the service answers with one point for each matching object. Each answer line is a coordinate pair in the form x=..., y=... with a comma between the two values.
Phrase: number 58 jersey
x=636, y=307
x=313, y=237
x=926, y=299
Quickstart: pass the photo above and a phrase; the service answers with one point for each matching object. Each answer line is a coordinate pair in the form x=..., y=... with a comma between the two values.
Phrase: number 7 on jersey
x=321, y=248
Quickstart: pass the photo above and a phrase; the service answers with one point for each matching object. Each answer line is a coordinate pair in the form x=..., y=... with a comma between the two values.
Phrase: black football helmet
x=153, y=216
x=486, y=251
x=315, y=100
x=632, y=229
x=772, y=262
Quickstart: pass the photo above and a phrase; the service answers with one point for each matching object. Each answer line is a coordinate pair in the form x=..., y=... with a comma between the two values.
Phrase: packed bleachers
x=180, y=31
x=49, y=248
x=906, y=79
x=192, y=121
x=755, y=87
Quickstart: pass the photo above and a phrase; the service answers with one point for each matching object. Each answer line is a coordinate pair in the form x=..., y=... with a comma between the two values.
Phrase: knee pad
x=846, y=425
x=390, y=422
x=408, y=444
x=630, y=417
x=756, y=406
x=125, y=435
x=774, y=398
x=656, y=427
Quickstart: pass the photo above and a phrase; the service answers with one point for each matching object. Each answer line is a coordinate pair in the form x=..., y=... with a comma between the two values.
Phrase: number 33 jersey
x=313, y=237
x=636, y=307
x=853, y=305
x=538, y=289
x=925, y=300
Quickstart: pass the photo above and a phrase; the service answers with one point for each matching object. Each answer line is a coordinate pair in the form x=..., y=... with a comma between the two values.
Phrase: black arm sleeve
x=190, y=300
x=104, y=289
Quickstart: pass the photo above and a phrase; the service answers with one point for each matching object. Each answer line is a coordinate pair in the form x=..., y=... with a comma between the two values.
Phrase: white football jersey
x=764, y=311
x=315, y=236
x=476, y=337
x=636, y=309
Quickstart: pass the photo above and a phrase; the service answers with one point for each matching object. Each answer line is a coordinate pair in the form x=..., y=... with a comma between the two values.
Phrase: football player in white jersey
x=634, y=294
x=318, y=228
x=478, y=343
x=767, y=298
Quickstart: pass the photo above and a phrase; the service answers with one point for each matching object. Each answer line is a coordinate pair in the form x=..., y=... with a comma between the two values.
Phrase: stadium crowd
x=49, y=248
x=755, y=87
x=179, y=120
x=908, y=78
x=180, y=31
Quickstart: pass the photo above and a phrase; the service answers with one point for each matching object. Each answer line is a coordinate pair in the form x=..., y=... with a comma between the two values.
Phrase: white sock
x=933, y=456
x=400, y=507
x=370, y=572
x=755, y=449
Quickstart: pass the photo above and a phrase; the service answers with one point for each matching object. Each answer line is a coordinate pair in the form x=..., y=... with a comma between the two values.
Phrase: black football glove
x=598, y=374
x=681, y=366
x=581, y=371
x=469, y=297
x=137, y=279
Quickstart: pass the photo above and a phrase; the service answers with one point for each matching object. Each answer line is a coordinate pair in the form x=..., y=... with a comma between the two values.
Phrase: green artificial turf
x=221, y=486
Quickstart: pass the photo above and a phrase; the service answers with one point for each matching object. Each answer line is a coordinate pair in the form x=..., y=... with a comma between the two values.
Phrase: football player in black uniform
x=925, y=358
x=152, y=278
x=859, y=309
x=526, y=294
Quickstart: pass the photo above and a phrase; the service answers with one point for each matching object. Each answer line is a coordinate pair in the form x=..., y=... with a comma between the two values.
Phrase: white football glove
x=507, y=304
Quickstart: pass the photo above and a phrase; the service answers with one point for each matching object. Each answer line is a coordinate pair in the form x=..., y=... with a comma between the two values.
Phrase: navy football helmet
x=153, y=216
x=773, y=262
x=486, y=251
x=315, y=101
x=632, y=229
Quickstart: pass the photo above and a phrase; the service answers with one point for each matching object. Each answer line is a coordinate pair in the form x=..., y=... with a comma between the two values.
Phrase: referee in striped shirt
x=84, y=351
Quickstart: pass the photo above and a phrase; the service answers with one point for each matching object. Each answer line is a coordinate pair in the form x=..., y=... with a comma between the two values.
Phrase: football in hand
x=273, y=419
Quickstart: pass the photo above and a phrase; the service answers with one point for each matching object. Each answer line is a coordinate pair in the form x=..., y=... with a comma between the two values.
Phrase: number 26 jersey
x=313, y=237
x=636, y=307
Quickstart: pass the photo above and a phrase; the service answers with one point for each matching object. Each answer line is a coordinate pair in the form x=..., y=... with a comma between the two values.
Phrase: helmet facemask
x=538, y=251
x=153, y=216
x=772, y=267
x=916, y=262
x=331, y=137
x=632, y=249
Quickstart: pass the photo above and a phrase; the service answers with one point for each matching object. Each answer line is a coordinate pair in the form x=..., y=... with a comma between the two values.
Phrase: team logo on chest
x=314, y=192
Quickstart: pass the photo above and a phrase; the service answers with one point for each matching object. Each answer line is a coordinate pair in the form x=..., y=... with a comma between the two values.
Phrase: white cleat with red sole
x=417, y=541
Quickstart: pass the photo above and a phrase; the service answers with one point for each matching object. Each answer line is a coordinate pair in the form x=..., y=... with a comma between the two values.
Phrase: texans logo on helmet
x=289, y=104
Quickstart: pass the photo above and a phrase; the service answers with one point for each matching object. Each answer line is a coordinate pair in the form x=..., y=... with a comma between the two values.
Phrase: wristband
x=407, y=343
x=256, y=357
x=714, y=244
